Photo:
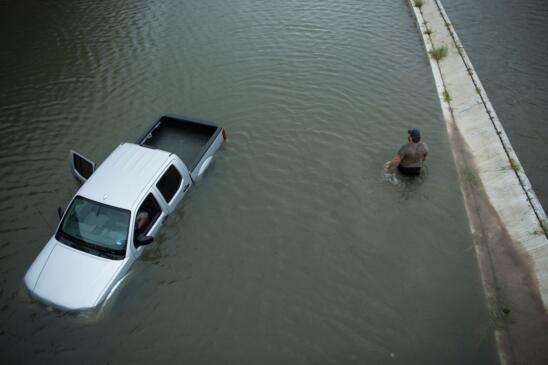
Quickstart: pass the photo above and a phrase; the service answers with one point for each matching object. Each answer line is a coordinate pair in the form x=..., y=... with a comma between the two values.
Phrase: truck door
x=82, y=168
x=173, y=185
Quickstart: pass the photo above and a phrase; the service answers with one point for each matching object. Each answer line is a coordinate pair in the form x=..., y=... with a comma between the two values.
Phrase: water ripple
x=292, y=247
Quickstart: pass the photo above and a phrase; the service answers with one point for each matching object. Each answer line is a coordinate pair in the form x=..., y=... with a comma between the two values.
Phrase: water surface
x=293, y=248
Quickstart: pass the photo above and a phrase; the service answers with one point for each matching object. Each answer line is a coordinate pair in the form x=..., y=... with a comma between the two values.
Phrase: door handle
x=185, y=188
x=165, y=219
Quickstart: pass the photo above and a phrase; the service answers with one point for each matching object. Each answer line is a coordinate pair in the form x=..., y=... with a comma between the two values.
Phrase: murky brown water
x=293, y=248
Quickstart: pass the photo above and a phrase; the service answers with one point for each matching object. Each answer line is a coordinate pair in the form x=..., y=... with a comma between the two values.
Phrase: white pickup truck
x=118, y=210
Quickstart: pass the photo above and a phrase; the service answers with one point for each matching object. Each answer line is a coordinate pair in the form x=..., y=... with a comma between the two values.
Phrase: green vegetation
x=438, y=53
x=419, y=3
x=446, y=96
x=541, y=232
x=514, y=165
x=506, y=311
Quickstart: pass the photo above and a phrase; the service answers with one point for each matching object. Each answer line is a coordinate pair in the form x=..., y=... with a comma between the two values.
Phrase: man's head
x=414, y=135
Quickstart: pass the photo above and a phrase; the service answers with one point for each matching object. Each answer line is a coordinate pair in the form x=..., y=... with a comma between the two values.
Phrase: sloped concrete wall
x=510, y=234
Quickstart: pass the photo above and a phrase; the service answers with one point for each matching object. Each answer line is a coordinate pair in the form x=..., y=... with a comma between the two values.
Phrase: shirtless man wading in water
x=410, y=156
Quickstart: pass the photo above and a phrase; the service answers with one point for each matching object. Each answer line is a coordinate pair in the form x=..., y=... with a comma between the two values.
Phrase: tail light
x=224, y=133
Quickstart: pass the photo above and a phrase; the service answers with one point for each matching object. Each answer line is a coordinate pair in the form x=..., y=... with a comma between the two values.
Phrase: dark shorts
x=411, y=171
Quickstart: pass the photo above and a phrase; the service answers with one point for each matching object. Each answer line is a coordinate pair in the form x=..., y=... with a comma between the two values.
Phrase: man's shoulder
x=403, y=149
x=422, y=147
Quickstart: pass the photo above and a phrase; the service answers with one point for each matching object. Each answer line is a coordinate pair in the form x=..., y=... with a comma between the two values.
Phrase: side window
x=169, y=183
x=147, y=215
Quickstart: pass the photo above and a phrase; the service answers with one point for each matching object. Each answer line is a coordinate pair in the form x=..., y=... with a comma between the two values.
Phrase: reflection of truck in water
x=118, y=210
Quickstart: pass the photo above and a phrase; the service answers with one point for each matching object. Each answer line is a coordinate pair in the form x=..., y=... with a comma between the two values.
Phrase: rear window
x=169, y=183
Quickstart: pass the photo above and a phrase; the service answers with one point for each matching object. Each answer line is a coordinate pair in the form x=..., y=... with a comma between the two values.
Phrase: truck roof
x=124, y=175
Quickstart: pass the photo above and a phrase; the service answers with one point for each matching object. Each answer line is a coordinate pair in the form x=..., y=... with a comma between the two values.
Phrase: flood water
x=506, y=41
x=294, y=248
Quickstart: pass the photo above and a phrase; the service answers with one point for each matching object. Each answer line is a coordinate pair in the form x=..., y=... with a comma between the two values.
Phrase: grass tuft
x=514, y=165
x=439, y=52
x=419, y=3
x=543, y=229
x=446, y=96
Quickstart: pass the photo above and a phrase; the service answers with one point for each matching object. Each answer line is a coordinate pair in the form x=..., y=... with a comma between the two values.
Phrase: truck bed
x=187, y=137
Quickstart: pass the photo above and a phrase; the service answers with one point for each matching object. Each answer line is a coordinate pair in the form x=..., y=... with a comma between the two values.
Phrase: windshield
x=92, y=225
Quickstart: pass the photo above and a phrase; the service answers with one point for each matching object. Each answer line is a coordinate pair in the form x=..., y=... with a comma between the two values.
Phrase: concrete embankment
x=507, y=221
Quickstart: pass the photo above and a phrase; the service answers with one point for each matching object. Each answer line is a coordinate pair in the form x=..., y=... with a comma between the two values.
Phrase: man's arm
x=392, y=163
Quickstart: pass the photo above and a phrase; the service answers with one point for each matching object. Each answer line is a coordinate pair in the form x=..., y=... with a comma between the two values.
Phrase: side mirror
x=60, y=212
x=143, y=240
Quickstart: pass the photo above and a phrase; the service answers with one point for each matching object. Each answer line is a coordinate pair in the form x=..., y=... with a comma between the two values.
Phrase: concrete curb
x=524, y=180
x=527, y=232
x=510, y=233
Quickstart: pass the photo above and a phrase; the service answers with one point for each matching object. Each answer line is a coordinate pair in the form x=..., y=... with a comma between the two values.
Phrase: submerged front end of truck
x=69, y=279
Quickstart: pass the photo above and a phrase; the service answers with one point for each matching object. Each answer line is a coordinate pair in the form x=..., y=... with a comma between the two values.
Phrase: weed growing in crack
x=446, y=96
x=419, y=3
x=514, y=165
x=439, y=53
